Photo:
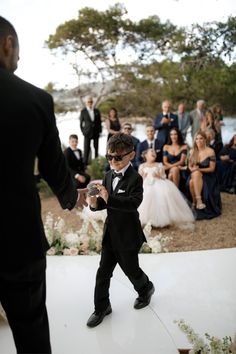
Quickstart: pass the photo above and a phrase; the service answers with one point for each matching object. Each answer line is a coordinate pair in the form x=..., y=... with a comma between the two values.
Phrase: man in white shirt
x=91, y=127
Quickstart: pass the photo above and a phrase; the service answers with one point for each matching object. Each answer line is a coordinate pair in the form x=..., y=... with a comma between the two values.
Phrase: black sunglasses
x=116, y=157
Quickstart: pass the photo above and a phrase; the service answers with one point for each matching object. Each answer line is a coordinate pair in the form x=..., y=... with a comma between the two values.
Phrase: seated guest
x=216, y=145
x=75, y=163
x=163, y=204
x=151, y=143
x=226, y=167
x=174, y=155
x=127, y=129
x=218, y=114
x=203, y=182
x=210, y=122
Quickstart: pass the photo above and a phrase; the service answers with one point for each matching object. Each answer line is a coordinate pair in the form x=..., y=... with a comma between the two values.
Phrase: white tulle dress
x=163, y=204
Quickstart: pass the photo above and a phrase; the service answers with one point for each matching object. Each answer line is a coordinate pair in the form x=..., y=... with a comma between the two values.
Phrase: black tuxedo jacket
x=75, y=165
x=122, y=224
x=89, y=128
x=27, y=129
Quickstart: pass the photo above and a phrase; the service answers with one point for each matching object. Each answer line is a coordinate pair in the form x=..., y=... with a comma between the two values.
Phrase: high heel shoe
x=200, y=204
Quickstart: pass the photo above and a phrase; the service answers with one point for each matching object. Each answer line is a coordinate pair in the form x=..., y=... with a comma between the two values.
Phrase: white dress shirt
x=116, y=179
x=91, y=113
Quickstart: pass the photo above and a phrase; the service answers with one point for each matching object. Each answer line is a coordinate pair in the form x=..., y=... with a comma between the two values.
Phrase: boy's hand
x=92, y=201
x=81, y=202
x=103, y=193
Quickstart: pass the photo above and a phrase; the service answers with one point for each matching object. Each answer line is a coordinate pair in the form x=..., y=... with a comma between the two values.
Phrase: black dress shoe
x=143, y=301
x=97, y=317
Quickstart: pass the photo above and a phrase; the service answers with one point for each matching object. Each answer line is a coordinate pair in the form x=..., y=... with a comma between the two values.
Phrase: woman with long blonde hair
x=203, y=182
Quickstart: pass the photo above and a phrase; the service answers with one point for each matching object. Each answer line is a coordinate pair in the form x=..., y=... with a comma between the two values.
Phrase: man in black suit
x=91, y=127
x=27, y=117
x=121, y=193
x=75, y=163
x=149, y=143
x=164, y=121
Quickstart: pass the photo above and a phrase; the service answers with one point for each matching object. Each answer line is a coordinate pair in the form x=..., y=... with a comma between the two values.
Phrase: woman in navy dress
x=226, y=167
x=174, y=157
x=203, y=182
x=113, y=123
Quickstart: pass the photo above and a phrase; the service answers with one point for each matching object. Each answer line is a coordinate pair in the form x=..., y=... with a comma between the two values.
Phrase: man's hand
x=81, y=202
x=165, y=120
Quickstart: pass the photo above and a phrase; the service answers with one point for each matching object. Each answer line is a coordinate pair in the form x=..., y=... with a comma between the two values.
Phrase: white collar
x=124, y=169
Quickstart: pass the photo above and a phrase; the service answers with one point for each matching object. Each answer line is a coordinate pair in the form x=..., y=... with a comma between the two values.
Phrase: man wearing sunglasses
x=121, y=193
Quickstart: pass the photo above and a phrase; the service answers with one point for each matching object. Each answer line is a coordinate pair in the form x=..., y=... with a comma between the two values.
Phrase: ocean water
x=69, y=124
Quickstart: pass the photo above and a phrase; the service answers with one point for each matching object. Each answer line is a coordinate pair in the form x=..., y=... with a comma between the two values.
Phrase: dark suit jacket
x=142, y=146
x=75, y=165
x=163, y=129
x=27, y=129
x=122, y=223
x=90, y=129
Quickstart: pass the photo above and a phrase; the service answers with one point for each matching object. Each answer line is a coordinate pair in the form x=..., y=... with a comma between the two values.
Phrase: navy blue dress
x=210, y=192
x=226, y=170
x=183, y=173
x=114, y=125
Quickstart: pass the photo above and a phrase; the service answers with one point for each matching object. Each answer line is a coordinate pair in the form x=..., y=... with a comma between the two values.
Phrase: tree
x=102, y=41
x=139, y=64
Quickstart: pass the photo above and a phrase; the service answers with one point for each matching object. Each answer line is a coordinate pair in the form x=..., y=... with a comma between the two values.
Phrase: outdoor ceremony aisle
x=198, y=287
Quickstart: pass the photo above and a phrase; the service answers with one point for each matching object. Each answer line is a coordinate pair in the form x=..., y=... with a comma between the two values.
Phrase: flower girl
x=163, y=204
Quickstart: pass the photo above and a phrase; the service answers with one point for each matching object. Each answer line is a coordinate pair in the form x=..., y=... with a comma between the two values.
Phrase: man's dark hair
x=120, y=142
x=6, y=29
x=73, y=136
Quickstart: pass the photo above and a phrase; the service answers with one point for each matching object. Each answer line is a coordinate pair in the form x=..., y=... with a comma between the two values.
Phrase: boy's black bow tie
x=115, y=174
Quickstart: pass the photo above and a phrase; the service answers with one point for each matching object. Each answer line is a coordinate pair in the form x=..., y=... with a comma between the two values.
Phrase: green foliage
x=163, y=61
x=97, y=168
x=44, y=189
x=50, y=87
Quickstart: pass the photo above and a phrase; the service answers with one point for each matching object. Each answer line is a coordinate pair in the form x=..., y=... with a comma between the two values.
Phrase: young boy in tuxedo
x=75, y=163
x=121, y=194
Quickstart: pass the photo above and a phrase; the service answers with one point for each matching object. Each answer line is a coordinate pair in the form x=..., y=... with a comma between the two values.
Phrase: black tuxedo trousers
x=129, y=263
x=23, y=294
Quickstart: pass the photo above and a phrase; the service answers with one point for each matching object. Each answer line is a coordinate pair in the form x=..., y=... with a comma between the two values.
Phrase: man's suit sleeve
x=52, y=162
x=138, y=157
x=81, y=118
x=157, y=124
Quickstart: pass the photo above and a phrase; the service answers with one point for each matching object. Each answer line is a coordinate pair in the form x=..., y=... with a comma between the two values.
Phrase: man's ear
x=8, y=44
x=132, y=155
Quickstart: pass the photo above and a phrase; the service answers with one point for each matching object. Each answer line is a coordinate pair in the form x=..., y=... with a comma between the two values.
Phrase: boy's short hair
x=120, y=142
x=73, y=136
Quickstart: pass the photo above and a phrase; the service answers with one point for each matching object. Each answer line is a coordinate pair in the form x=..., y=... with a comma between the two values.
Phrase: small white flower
x=71, y=239
x=147, y=229
x=59, y=224
x=51, y=251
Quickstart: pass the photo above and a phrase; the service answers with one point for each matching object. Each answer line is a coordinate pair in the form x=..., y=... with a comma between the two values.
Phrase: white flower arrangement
x=209, y=345
x=156, y=243
x=87, y=240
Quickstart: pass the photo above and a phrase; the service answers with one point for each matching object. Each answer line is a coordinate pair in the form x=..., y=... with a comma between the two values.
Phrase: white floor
x=198, y=287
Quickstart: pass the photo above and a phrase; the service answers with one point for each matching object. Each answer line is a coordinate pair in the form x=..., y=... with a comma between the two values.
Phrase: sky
x=35, y=20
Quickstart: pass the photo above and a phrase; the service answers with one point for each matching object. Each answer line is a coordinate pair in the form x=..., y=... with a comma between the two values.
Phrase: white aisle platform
x=198, y=287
